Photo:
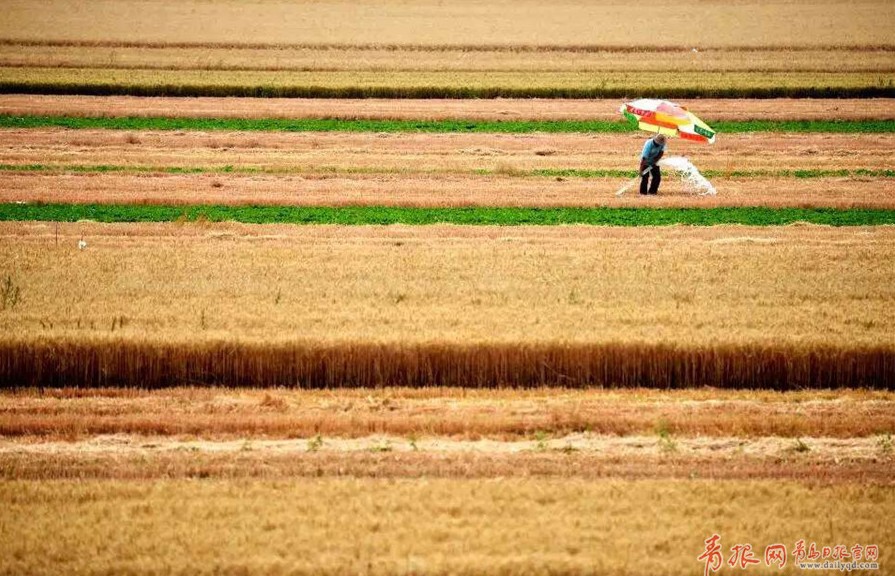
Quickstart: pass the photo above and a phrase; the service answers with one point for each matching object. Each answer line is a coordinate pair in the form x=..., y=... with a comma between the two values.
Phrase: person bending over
x=653, y=150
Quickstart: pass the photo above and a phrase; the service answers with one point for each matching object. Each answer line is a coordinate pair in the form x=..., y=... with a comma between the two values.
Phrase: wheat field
x=387, y=304
x=271, y=283
x=431, y=526
x=428, y=49
x=198, y=396
x=432, y=23
x=440, y=84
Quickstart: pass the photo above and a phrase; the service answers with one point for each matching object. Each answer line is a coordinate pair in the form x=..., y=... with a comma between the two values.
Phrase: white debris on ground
x=689, y=174
x=81, y=244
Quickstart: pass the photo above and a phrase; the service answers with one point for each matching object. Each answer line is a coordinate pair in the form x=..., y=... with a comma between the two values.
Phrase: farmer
x=653, y=150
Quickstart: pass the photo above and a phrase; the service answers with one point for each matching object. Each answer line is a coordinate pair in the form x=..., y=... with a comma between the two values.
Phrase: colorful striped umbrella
x=667, y=118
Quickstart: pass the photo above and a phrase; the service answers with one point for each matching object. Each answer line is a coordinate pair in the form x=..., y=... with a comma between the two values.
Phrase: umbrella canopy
x=667, y=118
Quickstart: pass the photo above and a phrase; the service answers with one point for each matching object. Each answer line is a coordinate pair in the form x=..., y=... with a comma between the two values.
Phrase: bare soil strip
x=330, y=306
x=215, y=414
x=509, y=154
x=502, y=109
x=435, y=191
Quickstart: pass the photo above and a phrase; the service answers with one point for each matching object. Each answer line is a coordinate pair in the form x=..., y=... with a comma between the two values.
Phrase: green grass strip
x=430, y=126
x=365, y=215
x=544, y=172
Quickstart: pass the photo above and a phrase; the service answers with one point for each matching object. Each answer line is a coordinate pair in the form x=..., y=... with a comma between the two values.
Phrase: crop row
x=173, y=88
x=86, y=363
x=545, y=172
x=501, y=216
x=424, y=126
x=445, y=84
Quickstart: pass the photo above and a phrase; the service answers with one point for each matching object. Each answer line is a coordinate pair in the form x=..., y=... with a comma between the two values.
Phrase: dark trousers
x=654, y=185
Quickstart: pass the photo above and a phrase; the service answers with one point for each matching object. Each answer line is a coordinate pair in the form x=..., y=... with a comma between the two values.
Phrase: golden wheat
x=330, y=306
x=352, y=80
x=502, y=526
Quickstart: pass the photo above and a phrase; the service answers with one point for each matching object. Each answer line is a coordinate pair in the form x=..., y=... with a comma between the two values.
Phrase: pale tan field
x=449, y=413
x=495, y=526
x=410, y=152
x=436, y=190
x=435, y=109
x=579, y=456
x=547, y=81
x=503, y=22
x=430, y=169
x=797, y=285
x=331, y=58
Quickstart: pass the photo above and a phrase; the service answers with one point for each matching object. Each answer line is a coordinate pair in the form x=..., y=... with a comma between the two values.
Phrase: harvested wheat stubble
x=444, y=190
x=216, y=414
x=332, y=306
x=632, y=458
x=430, y=22
x=504, y=526
x=508, y=154
x=405, y=109
x=428, y=169
x=598, y=447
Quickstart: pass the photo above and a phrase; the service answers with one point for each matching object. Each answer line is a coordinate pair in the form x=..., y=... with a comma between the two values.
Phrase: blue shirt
x=651, y=151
